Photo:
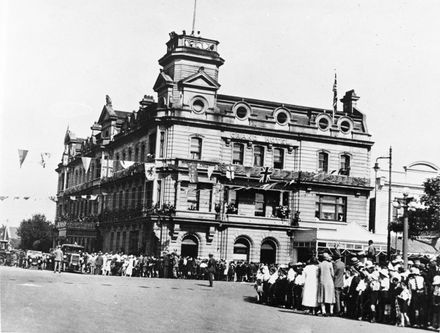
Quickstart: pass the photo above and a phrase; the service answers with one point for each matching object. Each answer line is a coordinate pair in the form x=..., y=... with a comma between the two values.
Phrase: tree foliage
x=36, y=233
x=431, y=199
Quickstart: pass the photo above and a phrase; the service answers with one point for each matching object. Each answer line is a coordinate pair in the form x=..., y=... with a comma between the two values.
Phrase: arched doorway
x=190, y=247
x=268, y=253
x=241, y=249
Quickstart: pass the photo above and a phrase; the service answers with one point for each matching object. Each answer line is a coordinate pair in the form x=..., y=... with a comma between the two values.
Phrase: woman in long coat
x=326, y=294
x=310, y=291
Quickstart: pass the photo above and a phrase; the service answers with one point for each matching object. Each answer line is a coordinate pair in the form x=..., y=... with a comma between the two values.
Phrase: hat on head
x=436, y=280
x=369, y=264
x=414, y=271
x=326, y=256
x=210, y=255
x=383, y=272
x=410, y=262
x=354, y=261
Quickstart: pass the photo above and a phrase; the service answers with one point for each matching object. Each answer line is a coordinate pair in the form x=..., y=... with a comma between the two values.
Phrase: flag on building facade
x=150, y=171
x=22, y=153
x=3, y=197
x=73, y=198
x=193, y=173
x=230, y=172
x=84, y=196
x=265, y=175
x=106, y=168
x=210, y=171
x=86, y=163
x=248, y=171
x=126, y=164
x=93, y=197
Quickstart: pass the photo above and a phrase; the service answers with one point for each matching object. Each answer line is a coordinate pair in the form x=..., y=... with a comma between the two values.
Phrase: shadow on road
x=250, y=299
x=203, y=285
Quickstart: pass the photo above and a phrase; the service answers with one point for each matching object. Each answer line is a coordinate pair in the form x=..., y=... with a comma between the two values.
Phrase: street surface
x=41, y=301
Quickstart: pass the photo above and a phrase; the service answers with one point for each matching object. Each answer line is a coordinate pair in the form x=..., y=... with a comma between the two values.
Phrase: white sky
x=60, y=58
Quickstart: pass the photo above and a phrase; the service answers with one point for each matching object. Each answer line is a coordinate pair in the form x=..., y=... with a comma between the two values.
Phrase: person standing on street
x=58, y=253
x=211, y=269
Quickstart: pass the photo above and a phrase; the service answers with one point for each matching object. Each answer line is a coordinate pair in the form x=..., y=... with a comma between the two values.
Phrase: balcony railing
x=76, y=225
x=83, y=186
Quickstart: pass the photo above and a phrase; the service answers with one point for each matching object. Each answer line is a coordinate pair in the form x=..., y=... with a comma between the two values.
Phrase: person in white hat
x=435, y=321
x=416, y=283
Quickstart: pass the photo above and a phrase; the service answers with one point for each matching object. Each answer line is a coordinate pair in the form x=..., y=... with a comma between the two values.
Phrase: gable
x=200, y=80
x=163, y=80
x=106, y=113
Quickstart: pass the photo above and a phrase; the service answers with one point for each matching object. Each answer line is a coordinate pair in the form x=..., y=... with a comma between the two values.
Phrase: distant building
x=411, y=177
x=197, y=172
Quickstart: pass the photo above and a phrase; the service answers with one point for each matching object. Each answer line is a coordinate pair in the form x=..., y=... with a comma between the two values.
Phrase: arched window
x=278, y=158
x=129, y=154
x=143, y=152
x=237, y=153
x=268, y=252
x=345, y=165
x=136, y=154
x=196, y=148
x=323, y=161
x=258, y=156
x=190, y=247
x=241, y=249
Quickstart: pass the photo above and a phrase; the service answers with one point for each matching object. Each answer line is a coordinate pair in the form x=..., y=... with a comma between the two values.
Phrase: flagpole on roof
x=335, y=97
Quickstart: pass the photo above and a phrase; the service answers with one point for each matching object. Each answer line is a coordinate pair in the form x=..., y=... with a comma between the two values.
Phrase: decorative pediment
x=163, y=80
x=200, y=80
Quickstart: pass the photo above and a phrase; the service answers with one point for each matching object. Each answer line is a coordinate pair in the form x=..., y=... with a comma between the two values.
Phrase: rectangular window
x=133, y=198
x=121, y=197
x=152, y=144
x=112, y=240
x=162, y=144
x=196, y=148
x=193, y=197
x=278, y=158
x=118, y=244
x=323, y=162
x=331, y=208
x=149, y=194
x=136, y=154
x=260, y=206
x=258, y=156
x=345, y=165
x=143, y=152
x=237, y=153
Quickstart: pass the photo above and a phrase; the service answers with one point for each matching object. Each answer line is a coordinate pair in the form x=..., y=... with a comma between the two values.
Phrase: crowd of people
x=361, y=289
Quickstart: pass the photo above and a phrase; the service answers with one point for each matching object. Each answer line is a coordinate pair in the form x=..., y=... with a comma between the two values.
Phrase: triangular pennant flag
x=83, y=196
x=73, y=198
x=16, y=198
x=44, y=158
x=248, y=171
x=150, y=171
x=210, y=171
x=3, y=197
x=126, y=164
x=53, y=198
x=26, y=198
x=93, y=197
x=22, y=153
x=86, y=163
x=193, y=173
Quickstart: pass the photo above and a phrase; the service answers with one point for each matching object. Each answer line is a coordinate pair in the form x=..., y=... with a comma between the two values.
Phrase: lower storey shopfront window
x=331, y=208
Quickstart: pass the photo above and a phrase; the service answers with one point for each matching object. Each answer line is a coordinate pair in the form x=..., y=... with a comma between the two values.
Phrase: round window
x=282, y=118
x=241, y=112
x=198, y=106
x=323, y=123
x=345, y=126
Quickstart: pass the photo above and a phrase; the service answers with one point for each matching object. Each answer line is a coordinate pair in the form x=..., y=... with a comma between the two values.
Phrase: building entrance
x=190, y=247
x=268, y=253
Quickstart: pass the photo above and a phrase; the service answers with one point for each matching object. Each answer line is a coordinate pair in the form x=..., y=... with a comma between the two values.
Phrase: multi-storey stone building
x=199, y=172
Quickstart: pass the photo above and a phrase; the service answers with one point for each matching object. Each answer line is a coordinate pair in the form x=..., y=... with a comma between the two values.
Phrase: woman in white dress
x=310, y=291
x=129, y=269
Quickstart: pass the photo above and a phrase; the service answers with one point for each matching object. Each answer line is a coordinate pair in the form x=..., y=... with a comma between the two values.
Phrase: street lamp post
x=407, y=203
x=376, y=168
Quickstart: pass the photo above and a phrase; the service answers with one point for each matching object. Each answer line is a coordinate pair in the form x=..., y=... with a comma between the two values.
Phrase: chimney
x=349, y=101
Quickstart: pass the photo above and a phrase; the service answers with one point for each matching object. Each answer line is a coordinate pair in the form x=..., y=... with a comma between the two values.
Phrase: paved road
x=40, y=301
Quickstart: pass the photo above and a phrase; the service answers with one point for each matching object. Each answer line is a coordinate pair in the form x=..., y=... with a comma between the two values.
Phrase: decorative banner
x=3, y=197
x=193, y=173
x=210, y=171
x=84, y=196
x=26, y=198
x=265, y=175
x=53, y=198
x=16, y=198
x=230, y=172
x=150, y=171
x=86, y=163
x=44, y=158
x=126, y=164
x=73, y=198
x=248, y=171
x=22, y=153
x=93, y=197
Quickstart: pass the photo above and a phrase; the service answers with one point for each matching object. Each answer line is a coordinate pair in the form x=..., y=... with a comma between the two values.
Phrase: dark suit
x=211, y=270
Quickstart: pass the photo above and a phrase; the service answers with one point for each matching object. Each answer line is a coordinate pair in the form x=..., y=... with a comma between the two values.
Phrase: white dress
x=310, y=292
x=129, y=270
